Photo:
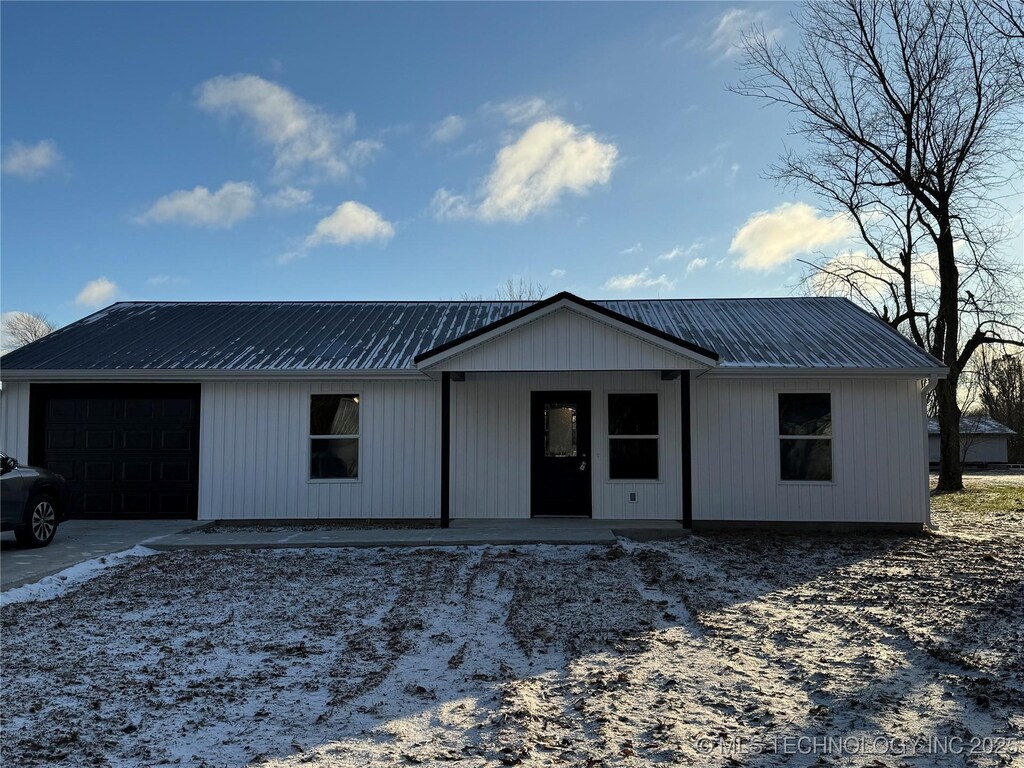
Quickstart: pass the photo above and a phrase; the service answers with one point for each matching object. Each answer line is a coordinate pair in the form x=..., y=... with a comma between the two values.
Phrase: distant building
x=982, y=440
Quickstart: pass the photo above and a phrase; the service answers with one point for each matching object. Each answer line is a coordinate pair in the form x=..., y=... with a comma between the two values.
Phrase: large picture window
x=805, y=436
x=334, y=437
x=633, y=436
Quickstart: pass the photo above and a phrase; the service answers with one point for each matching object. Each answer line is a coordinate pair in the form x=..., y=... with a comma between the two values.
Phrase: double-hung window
x=805, y=437
x=334, y=437
x=633, y=436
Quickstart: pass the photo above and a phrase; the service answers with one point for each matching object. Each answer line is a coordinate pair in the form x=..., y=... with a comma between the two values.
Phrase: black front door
x=560, y=454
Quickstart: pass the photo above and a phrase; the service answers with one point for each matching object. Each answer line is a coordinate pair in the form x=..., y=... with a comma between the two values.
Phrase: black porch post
x=684, y=448
x=446, y=446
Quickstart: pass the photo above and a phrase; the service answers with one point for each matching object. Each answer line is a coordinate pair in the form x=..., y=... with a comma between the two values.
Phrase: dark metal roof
x=974, y=425
x=796, y=333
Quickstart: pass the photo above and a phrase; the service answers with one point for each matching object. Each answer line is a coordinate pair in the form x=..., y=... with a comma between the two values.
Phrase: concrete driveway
x=77, y=541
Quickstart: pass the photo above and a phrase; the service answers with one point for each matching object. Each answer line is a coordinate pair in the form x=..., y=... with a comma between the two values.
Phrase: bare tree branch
x=910, y=120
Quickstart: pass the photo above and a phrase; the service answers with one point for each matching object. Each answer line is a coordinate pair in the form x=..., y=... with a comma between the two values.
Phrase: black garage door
x=127, y=450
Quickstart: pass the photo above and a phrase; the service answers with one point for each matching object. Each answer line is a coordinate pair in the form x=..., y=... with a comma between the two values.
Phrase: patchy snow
x=58, y=584
x=702, y=651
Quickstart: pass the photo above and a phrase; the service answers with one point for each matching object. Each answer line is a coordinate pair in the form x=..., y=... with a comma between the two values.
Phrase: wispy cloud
x=30, y=161
x=557, y=273
x=771, y=238
x=288, y=198
x=303, y=137
x=697, y=263
x=448, y=129
x=96, y=292
x=680, y=251
x=551, y=158
x=198, y=207
x=638, y=248
x=730, y=27
x=158, y=280
x=638, y=280
x=519, y=111
x=447, y=206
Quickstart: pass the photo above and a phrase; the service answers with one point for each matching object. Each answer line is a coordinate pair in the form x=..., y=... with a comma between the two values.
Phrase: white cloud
x=303, y=137
x=351, y=222
x=697, y=263
x=362, y=151
x=30, y=161
x=557, y=273
x=638, y=280
x=871, y=278
x=551, y=158
x=199, y=207
x=771, y=238
x=96, y=293
x=693, y=248
x=519, y=111
x=289, y=198
x=727, y=37
x=448, y=129
x=638, y=248
x=448, y=206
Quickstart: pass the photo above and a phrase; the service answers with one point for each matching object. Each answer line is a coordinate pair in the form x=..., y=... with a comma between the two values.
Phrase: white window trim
x=780, y=437
x=310, y=438
x=660, y=479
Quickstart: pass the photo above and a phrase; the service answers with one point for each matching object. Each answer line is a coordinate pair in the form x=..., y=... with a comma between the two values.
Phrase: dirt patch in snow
x=709, y=650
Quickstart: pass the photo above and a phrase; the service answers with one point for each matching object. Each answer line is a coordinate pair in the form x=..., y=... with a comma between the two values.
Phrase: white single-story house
x=982, y=440
x=707, y=412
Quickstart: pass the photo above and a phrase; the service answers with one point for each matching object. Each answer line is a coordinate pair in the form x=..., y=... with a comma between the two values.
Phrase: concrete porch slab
x=463, y=532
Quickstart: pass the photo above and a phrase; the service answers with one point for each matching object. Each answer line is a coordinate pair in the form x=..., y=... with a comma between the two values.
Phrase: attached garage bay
x=127, y=450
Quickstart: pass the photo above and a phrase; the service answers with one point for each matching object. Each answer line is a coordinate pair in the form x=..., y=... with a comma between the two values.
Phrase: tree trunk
x=951, y=477
x=950, y=469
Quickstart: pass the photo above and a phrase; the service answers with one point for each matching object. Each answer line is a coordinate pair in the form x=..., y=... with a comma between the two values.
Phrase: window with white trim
x=334, y=437
x=805, y=436
x=633, y=436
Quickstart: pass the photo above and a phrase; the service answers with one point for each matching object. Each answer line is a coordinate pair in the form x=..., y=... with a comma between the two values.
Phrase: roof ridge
x=137, y=302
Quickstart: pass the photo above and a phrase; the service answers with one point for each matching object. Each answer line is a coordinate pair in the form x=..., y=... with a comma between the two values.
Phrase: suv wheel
x=40, y=523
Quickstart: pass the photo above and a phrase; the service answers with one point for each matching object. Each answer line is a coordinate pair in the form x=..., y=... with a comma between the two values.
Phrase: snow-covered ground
x=702, y=651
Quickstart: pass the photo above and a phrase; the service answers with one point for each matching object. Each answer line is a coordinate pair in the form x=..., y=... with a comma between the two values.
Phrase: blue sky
x=371, y=151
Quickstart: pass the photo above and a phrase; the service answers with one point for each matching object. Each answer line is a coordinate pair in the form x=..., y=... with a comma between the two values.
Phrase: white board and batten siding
x=254, y=452
x=878, y=444
x=490, y=444
x=565, y=341
x=14, y=405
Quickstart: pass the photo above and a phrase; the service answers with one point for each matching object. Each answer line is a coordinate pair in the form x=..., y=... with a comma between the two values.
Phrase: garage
x=127, y=450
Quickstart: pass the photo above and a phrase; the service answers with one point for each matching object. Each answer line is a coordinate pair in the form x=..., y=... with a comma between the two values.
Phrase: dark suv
x=32, y=502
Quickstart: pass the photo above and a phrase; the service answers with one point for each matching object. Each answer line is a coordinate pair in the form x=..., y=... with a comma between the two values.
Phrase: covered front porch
x=566, y=410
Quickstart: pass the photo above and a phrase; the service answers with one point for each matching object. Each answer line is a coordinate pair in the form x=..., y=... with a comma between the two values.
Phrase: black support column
x=446, y=447
x=685, y=450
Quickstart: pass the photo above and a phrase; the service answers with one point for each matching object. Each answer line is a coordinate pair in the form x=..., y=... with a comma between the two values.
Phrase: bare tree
x=1007, y=20
x=910, y=123
x=520, y=290
x=21, y=328
x=513, y=289
x=1002, y=394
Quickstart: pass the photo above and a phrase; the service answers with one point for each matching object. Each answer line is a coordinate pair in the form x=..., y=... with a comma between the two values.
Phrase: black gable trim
x=565, y=295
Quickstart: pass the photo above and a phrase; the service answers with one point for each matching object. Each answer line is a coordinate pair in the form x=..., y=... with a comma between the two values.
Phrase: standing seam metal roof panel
x=783, y=333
